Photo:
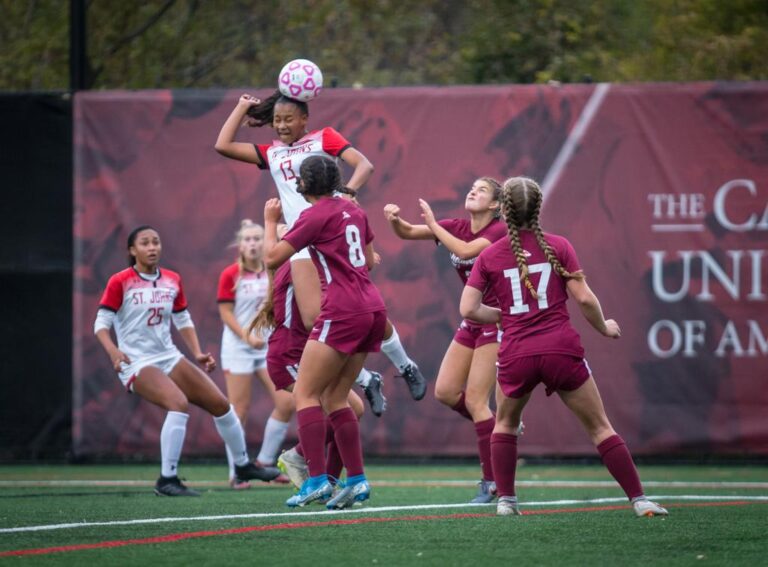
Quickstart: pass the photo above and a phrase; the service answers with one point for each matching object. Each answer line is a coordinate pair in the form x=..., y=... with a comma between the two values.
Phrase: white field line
x=416, y=483
x=372, y=510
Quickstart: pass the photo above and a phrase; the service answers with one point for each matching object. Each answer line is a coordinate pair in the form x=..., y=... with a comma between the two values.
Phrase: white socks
x=274, y=435
x=232, y=433
x=171, y=441
x=395, y=352
x=364, y=378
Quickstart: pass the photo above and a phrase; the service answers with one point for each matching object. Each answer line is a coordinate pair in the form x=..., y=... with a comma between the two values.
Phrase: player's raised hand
x=426, y=213
x=612, y=330
x=392, y=212
x=245, y=102
x=272, y=210
x=206, y=360
x=118, y=358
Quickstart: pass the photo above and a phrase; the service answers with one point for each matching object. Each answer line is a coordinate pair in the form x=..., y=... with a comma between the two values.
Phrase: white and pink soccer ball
x=300, y=79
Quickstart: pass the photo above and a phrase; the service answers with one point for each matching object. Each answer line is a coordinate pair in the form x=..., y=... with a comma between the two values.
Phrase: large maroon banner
x=663, y=190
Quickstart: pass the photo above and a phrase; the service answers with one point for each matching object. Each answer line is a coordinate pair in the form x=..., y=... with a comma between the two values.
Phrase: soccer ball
x=300, y=79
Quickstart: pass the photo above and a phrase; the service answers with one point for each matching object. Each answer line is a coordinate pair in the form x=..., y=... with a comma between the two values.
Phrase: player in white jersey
x=283, y=157
x=140, y=302
x=242, y=290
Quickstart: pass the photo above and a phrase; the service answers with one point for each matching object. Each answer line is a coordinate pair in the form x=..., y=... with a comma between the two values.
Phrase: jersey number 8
x=356, y=254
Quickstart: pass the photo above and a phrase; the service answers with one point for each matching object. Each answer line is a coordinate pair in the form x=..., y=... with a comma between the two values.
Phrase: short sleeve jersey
x=247, y=291
x=284, y=162
x=143, y=308
x=530, y=326
x=462, y=229
x=337, y=231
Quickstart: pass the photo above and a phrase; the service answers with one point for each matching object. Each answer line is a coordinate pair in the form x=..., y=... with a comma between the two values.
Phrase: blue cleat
x=357, y=489
x=314, y=489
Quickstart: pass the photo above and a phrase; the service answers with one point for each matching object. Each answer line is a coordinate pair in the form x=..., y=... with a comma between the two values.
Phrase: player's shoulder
x=557, y=241
x=123, y=276
x=231, y=270
x=169, y=275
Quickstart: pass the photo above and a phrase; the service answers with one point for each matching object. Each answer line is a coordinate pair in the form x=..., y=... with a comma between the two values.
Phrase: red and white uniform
x=247, y=291
x=284, y=162
x=538, y=343
x=471, y=334
x=352, y=313
x=143, y=306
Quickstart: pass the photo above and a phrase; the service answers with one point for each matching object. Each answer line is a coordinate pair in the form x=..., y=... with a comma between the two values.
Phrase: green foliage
x=217, y=43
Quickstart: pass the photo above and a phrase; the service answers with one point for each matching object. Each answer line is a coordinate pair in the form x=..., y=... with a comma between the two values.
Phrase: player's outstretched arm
x=226, y=144
x=463, y=250
x=590, y=308
x=472, y=307
x=403, y=228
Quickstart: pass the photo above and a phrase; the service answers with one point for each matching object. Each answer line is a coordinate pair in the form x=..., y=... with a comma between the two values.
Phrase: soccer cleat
x=314, y=489
x=293, y=466
x=417, y=384
x=507, y=506
x=351, y=493
x=237, y=484
x=486, y=492
x=280, y=478
x=644, y=507
x=374, y=394
x=252, y=471
x=172, y=486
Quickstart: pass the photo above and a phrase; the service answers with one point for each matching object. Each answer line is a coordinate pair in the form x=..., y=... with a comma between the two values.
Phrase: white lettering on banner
x=667, y=339
x=751, y=223
x=699, y=274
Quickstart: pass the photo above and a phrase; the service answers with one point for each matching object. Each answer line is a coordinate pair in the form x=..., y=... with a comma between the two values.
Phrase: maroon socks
x=504, y=459
x=461, y=407
x=346, y=431
x=484, y=430
x=617, y=459
x=312, y=438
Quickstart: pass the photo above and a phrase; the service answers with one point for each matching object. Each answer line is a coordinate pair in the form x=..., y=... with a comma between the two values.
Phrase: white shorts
x=302, y=254
x=165, y=362
x=237, y=363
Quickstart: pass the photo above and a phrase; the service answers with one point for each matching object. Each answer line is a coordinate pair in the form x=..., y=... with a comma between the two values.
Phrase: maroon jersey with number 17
x=531, y=326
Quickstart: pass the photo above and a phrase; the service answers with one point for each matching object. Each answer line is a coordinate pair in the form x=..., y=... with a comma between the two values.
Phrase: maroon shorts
x=282, y=358
x=519, y=376
x=359, y=333
x=474, y=335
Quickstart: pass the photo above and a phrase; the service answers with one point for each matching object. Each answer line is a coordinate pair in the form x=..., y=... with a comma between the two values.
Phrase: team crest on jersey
x=526, y=253
x=345, y=215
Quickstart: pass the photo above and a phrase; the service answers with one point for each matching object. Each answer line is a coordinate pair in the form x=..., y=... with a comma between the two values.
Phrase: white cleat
x=507, y=506
x=293, y=466
x=646, y=508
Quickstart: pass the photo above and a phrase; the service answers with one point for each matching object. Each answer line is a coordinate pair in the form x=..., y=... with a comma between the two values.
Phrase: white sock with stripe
x=364, y=378
x=395, y=352
x=171, y=441
x=274, y=435
x=231, y=431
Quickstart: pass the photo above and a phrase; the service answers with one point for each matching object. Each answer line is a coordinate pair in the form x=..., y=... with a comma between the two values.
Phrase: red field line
x=339, y=522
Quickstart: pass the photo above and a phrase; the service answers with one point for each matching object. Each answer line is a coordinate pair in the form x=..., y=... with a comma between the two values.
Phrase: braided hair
x=263, y=114
x=320, y=176
x=521, y=203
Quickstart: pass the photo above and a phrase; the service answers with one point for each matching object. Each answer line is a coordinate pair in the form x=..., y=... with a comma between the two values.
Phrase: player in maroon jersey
x=286, y=344
x=350, y=325
x=141, y=301
x=283, y=157
x=531, y=275
x=242, y=289
x=468, y=371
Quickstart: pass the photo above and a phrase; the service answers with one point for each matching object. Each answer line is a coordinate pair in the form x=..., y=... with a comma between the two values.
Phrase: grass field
x=418, y=515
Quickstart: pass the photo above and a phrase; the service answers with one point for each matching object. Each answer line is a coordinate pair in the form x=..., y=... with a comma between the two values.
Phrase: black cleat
x=375, y=396
x=172, y=486
x=417, y=384
x=252, y=471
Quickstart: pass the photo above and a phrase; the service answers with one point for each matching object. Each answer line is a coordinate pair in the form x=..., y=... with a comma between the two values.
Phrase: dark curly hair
x=320, y=176
x=263, y=114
